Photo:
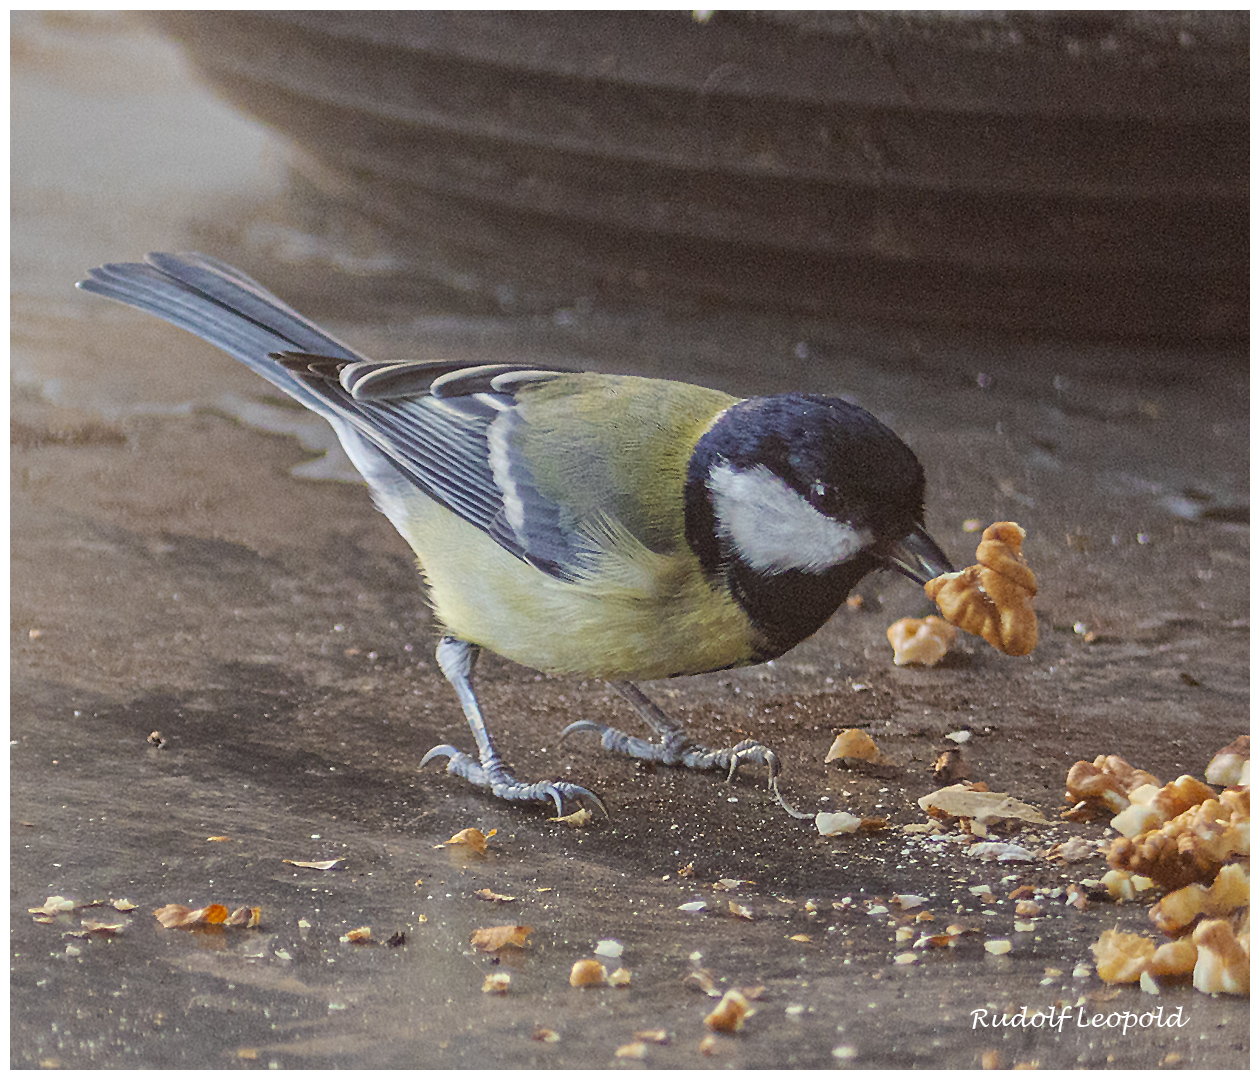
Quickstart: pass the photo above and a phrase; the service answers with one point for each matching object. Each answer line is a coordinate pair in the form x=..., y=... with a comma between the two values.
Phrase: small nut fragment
x=172, y=916
x=730, y=1013
x=997, y=851
x=920, y=641
x=1230, y=891
x=947, y=940
x=907, y=901
x=473, y=839
x=576, y=820
x=1122, y=957
x=988, y=809
x=1119, y=885
x=1231, y=765
x=54, y=905
x=701, y=979
x=1105, y=783
x=497, y=982
x=1174, y=959
x=494, y=938
x=854, y=745
x=1223, y=966
x=1076, y=849
x=1077, y=897
x=992, y=599
x=588, y=973
x=949, y=767
x=833, y=824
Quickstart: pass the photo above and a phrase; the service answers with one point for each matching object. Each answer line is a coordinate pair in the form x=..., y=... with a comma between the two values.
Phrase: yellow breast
x=640, y=615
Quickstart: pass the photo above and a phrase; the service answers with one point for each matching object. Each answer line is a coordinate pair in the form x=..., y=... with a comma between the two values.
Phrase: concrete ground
x=179, y=566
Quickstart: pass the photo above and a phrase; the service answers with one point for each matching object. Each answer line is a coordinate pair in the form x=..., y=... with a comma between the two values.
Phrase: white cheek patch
x=774, y=529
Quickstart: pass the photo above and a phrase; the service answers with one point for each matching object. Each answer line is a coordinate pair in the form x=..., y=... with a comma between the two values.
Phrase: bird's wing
x=451, y=429
x=446, y=428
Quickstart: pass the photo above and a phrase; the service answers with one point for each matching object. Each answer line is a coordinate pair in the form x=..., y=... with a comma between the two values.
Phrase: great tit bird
x=582, y=524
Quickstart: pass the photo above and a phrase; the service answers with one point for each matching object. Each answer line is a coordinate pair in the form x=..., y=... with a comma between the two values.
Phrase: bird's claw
x=733, y=757
x=445, y=750
x=503, y=785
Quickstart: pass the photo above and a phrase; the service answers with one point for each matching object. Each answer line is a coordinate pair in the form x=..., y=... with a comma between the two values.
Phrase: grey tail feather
x=224, y=307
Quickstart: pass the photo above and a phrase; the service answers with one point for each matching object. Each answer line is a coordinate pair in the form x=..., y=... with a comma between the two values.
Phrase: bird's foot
x=674, y=748
x=502, y=784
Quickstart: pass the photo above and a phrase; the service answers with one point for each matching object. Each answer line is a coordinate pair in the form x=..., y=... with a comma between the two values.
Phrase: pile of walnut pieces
x=1192, y=842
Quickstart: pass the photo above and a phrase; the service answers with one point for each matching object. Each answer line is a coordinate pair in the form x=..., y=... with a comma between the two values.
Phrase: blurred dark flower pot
x=1074, y=174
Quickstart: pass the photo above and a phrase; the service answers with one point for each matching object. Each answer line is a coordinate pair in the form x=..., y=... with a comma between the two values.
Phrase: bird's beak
x=917, y=556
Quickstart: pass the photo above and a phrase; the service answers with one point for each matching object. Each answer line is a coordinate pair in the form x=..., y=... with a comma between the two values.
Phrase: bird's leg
x=457, y=659
x=675, y=748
